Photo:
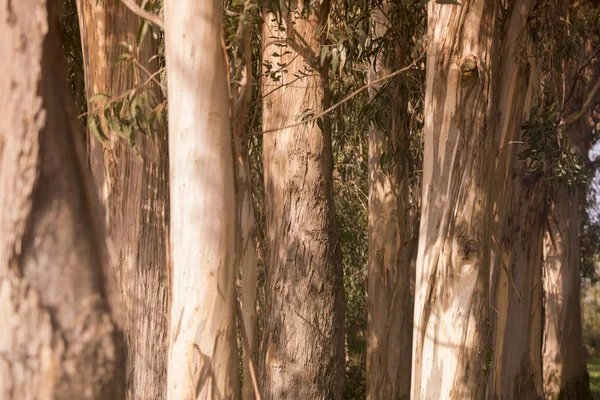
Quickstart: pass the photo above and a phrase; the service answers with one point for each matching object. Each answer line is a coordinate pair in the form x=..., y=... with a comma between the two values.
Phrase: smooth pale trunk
x=304, y=340
x=134, y=192
x=203, y=350
x=564, y=365
x=59, y=302
x=392, y=246
x=451, y=339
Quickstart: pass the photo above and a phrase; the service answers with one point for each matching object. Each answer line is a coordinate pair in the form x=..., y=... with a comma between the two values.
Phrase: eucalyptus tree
x=573, y=34
x=129, y=159
x=58, y=297
x=393, y=224
x=520, y=208
x=303, y=343
x=451, y=339
x=203, y=352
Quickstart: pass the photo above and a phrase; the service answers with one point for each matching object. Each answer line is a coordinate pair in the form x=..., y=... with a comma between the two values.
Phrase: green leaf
x=141, y=32
x=122, y=58
x=98, y=97
x=95, y=127
x=324, y=53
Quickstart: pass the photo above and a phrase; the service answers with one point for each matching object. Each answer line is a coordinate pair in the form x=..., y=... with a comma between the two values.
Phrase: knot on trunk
x=468, y=70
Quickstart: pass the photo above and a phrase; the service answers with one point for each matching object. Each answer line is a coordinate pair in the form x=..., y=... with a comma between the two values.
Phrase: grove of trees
x=301, y=199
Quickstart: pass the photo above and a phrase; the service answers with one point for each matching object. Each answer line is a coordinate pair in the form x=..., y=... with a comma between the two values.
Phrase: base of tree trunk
x=577, y=388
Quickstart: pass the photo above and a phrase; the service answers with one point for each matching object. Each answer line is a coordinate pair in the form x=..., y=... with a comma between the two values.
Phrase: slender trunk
x=451, y=342
x=304, y=339
x=134, y=192
x=520, y=215
x=203, y=350
x=246, y=257
x=61, y=337
x=248, y=268
x=565, y=373
x=391, y=246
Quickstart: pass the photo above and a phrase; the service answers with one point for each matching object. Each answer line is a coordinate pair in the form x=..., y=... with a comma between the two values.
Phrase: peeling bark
x=303, y=347
x=451, y=339
x=520, y=217
x=61, y=337
x=134, y=193
x=203, y=350
x=392, y=246
x=565, y=373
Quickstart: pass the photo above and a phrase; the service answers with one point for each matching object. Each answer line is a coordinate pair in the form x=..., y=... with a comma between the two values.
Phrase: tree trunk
x=304, y=322
x=391, y=245
x=134, y=192
x=59, y=302
x=517, y=351
x=451, y=340
x=203, y=350
x=246, y=257
x=565, y=374
x=520, y=215
x=248, y=267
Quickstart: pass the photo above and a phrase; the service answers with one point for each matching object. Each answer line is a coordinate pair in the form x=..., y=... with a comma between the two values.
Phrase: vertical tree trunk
x=565, y=373
x=203, y=350
x=60, y=307
x=304, y=339
x=246, y=257
x=134, y=192
x=391, y=245
x=520, y=215
x=451, y=341
x=517, y=351
x=248, y=267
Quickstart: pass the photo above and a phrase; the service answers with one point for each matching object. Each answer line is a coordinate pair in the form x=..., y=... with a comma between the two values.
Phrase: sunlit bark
x=304, y=341
x=203, y=349
x=451, y=340
x=134, y=192
x=392, y=241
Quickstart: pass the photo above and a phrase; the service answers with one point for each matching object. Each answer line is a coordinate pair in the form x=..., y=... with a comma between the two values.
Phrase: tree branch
x=571, y=119
x=345, y=99
x=147, y=15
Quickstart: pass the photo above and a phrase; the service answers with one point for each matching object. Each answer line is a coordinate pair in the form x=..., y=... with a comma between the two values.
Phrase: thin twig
x=150, y=74
x=345, y=99
x=147, y=15
x=114, y=99
x=247, y=350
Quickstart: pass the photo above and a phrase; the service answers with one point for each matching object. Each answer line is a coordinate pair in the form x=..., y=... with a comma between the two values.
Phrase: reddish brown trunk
x=134, y=191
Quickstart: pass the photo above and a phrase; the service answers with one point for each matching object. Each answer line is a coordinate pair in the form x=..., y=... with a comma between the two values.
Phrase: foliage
x=549, y=151
x=71, y=42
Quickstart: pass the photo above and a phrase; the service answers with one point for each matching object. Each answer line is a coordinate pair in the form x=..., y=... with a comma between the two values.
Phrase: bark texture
x=565, y=373
x=451, y=342
x=392, y=243
x=203, y=350
x=520, y=217
x=134, y=192
x=61, y=337
x=304, y=340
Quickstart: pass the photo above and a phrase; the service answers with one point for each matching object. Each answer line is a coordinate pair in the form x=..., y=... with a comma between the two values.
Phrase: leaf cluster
x=549, y=151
